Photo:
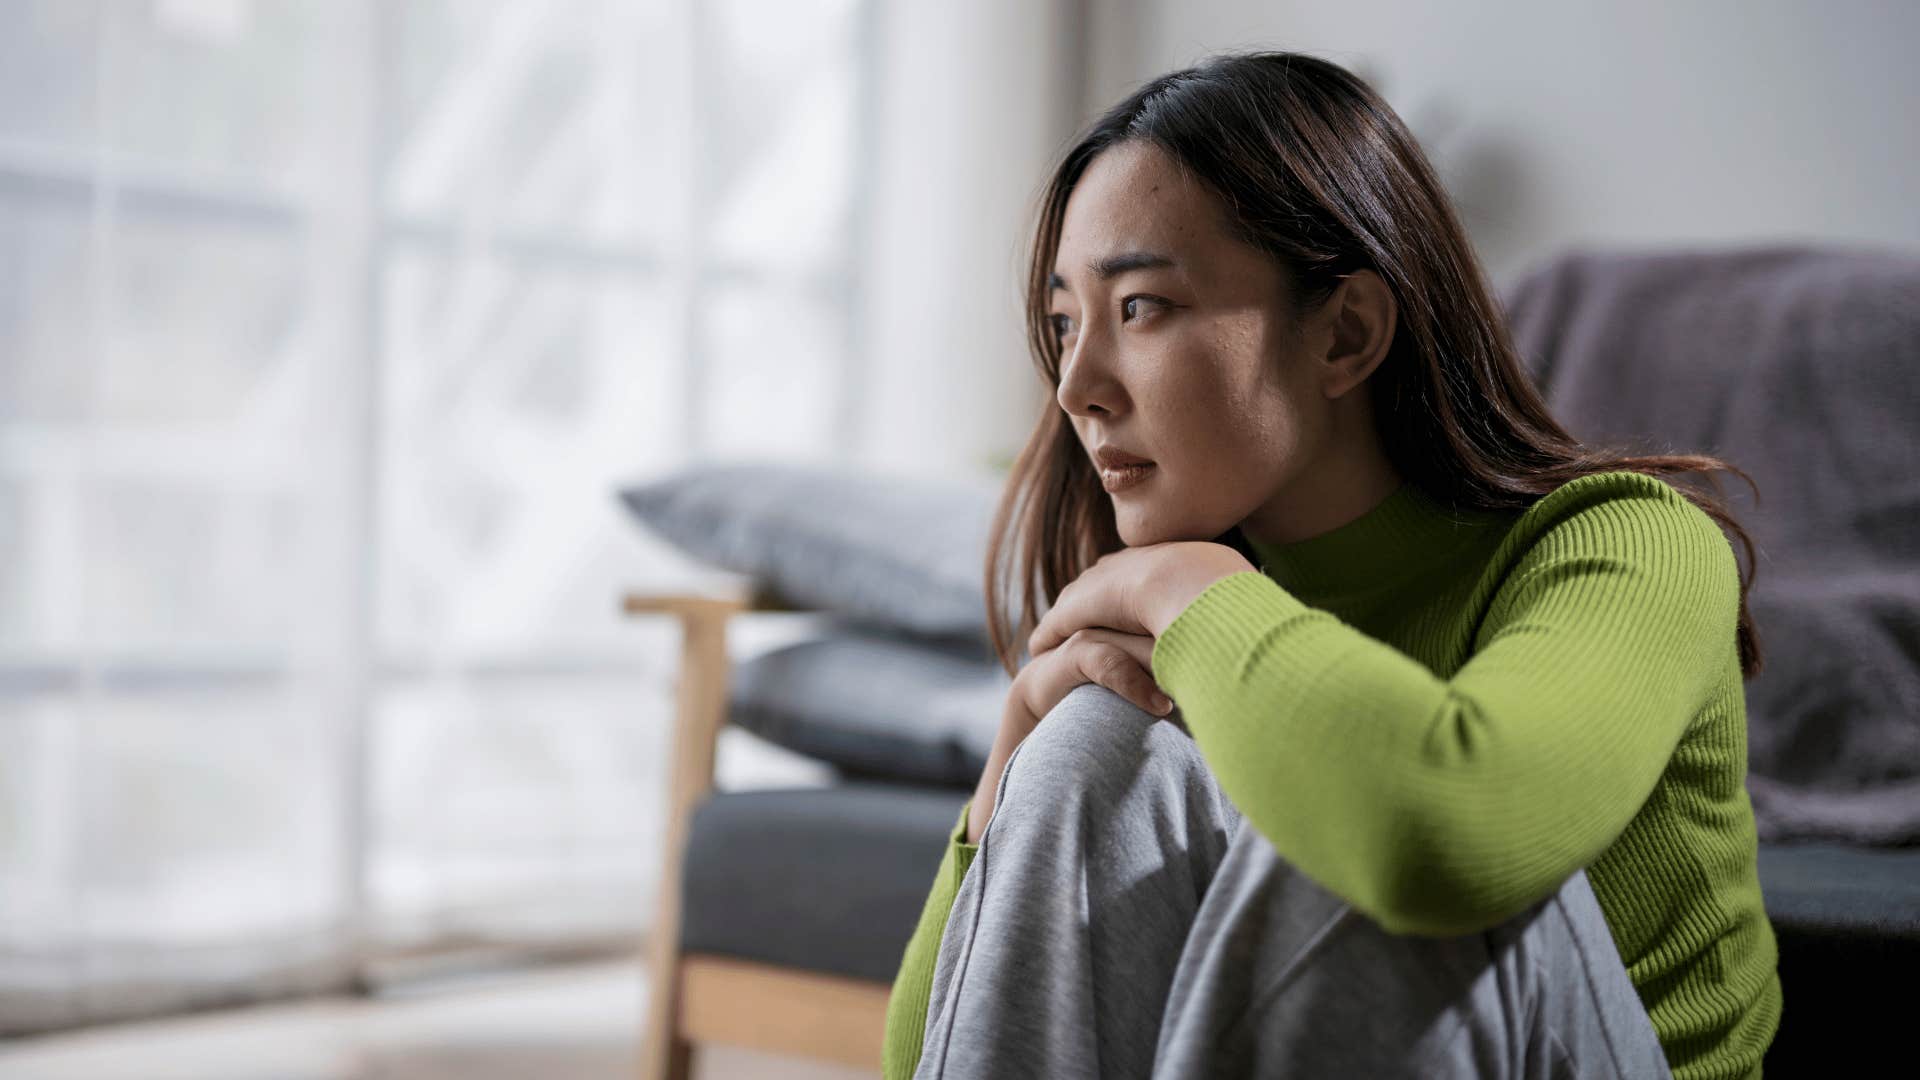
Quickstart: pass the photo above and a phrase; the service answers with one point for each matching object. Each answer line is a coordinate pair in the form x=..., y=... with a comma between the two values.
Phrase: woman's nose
x=1087, y=383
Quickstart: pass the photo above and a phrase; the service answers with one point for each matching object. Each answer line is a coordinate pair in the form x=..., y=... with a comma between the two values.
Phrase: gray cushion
x=823, y=879
x=876, y=705
x=906, y=552
x=1842, y=889
x=1848, y=923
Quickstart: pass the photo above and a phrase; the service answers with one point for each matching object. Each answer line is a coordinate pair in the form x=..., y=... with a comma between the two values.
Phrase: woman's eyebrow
x=1111, y=266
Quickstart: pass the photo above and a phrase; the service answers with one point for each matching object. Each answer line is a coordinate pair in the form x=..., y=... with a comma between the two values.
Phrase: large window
x=326, y=332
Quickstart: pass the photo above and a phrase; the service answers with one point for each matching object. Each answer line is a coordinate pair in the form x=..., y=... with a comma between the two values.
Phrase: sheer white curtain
x=326, y=331
x=182, y=586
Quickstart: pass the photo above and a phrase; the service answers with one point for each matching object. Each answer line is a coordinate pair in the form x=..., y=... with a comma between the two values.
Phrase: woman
x=1455, y=782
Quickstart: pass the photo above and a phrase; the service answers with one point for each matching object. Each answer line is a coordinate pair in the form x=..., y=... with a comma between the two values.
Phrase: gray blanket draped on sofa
x=1802, y=367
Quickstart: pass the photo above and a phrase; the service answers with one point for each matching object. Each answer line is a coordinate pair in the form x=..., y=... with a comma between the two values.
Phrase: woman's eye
x=1127, y=309
x=1062, y=325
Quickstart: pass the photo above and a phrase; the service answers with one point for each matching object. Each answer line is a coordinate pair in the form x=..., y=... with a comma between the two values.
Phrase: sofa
x=784, y=912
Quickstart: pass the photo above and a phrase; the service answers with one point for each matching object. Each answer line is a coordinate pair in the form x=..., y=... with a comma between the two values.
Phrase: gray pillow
x=876, y=705
x=906, y=552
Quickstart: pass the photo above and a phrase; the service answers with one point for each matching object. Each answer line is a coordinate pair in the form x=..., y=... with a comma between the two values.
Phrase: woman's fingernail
x=1162, y=704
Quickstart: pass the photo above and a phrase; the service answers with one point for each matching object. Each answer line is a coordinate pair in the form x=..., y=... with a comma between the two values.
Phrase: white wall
x=1616, y=124
x=975, y=101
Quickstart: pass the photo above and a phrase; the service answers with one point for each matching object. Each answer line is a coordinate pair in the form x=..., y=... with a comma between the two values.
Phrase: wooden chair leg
x=701, y=695
x=664, y=1053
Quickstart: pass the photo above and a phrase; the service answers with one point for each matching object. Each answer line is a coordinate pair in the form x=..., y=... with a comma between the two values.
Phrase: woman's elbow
x=1432, y=901
x=1428, y=889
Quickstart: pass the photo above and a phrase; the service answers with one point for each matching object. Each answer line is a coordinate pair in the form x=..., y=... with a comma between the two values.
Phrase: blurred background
x=329, y=328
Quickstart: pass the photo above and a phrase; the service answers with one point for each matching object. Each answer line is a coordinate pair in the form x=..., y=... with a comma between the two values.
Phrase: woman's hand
x=1135, y=590
x=1119, y=661
x=1101, y=629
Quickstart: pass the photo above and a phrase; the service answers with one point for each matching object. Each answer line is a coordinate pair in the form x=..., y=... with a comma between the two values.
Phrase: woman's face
x=1178, y=346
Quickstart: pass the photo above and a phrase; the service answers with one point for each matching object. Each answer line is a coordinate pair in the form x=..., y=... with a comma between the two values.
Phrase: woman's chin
x=1138, y=529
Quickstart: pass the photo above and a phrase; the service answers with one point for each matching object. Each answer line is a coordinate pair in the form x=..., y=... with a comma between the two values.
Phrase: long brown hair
x=1318, y=172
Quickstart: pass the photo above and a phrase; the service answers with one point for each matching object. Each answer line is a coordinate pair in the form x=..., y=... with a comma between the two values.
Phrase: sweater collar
x=1404, y=535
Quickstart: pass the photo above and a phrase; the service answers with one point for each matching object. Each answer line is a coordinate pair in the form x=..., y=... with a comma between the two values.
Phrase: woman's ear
x=1361, y=314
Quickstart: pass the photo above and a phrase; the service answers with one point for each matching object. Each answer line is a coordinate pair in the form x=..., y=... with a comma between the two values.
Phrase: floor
x=579, y=1022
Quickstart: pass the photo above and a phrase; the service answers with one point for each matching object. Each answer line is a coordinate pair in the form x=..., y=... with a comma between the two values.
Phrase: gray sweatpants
x=1121, y=919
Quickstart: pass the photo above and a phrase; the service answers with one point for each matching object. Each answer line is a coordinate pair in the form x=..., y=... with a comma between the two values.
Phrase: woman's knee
x=1093, y=740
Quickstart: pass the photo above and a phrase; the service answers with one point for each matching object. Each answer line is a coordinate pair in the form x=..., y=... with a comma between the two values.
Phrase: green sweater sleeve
x=1447, y=805
x=913, y=986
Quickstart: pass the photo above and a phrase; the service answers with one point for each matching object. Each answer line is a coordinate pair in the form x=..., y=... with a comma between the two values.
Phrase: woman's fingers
x=1121, y=662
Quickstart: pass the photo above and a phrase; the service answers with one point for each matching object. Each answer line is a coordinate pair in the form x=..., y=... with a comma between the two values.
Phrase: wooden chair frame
x=696, y=997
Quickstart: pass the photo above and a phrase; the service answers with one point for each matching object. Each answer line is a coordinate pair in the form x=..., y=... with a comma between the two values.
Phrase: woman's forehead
x=1133, y=198
x=1133, y=201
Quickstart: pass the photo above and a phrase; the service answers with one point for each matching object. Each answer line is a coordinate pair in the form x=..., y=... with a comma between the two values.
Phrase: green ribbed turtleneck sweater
x=1440, y=715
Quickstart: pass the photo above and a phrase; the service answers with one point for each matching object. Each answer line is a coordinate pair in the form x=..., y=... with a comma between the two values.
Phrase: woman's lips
x=1123, y=478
